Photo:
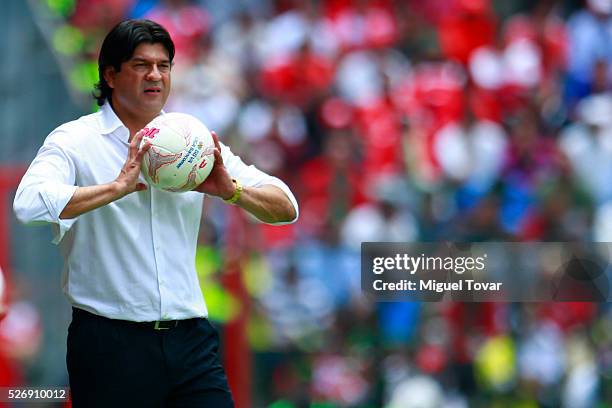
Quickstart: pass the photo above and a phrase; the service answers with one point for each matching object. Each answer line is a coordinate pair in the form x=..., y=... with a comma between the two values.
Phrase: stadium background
x=403, y=120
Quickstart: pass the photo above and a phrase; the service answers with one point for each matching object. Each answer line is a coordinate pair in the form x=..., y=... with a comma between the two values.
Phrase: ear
x=109, y=76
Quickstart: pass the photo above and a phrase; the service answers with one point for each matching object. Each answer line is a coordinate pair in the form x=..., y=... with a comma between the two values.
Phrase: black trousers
x=115, y=363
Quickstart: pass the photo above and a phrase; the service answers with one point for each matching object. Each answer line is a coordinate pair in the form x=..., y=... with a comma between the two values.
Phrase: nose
x=154, y=74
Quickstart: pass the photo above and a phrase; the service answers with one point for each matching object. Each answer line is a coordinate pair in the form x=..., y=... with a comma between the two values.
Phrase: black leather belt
x=164, y=324
x=155, y=325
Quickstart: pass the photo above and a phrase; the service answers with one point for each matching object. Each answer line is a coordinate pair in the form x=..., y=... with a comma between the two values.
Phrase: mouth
x=152, y=90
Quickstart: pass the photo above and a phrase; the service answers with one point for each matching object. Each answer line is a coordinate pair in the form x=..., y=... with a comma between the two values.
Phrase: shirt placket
x=157, y=248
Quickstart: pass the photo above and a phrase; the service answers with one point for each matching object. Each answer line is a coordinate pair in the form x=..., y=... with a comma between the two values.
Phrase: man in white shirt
x=139, y=334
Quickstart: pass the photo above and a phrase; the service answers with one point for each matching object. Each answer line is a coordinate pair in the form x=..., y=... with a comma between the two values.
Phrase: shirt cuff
x=56, y=197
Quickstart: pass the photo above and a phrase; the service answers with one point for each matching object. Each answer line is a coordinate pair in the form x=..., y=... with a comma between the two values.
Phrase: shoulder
x=76, y=131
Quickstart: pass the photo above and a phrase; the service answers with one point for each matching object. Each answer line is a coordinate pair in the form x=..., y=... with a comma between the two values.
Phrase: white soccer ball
x=181, y=154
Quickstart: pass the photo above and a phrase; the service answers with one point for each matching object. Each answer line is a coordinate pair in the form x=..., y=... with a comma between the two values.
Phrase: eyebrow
x=140, y=59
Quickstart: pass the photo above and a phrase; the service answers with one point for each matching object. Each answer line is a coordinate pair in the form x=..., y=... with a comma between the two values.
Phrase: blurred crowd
x=400, y=120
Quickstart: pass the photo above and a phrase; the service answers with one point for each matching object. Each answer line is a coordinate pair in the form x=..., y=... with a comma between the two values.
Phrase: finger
x=216, y=140
x=135, y=142
x=218, y=157
x=145, y=148
x=137, y=137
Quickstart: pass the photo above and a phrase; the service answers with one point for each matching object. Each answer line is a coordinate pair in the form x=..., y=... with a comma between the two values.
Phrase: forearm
x=268, y=203
x=89, y=198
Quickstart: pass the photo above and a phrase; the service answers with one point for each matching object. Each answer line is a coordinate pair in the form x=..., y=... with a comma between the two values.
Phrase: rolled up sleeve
x=47, y=187
x=251, y=176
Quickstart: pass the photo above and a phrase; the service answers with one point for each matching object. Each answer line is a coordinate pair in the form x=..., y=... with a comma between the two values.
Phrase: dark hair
x=119, y=46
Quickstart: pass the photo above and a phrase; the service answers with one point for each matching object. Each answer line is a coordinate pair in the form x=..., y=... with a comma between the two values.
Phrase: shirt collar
x=109, y=121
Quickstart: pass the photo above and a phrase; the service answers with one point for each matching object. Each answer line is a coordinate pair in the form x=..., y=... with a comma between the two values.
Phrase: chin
x=153, y=106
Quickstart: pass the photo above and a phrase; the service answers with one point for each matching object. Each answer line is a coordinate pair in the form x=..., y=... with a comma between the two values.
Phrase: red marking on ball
x=150, y=132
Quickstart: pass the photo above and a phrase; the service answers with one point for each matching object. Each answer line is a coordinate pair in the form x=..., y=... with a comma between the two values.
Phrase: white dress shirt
x=132, y=259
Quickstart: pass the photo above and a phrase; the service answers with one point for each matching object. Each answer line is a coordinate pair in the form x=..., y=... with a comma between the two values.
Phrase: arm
x=268, y=203
x=89, y=198
x=267, y=198
x=48, y=184
x=47, y=192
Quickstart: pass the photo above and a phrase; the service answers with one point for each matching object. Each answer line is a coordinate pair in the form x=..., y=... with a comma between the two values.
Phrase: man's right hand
x=127, y=181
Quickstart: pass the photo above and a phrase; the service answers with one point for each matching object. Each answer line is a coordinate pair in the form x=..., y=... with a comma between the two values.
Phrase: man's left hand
x=218, y=183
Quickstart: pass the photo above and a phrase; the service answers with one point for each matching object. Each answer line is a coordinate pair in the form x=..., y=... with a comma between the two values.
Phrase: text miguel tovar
x=433, y=285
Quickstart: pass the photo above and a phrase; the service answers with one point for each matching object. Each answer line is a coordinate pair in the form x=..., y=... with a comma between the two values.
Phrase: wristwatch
x=237, y=192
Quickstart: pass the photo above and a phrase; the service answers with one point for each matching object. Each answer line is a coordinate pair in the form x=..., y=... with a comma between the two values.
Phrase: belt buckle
x=158, y=327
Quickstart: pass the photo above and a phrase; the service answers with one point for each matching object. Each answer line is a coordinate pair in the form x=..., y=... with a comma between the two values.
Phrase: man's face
x=142, y=86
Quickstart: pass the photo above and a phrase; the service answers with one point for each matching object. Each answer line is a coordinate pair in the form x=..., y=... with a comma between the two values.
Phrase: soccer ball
x=181, y=154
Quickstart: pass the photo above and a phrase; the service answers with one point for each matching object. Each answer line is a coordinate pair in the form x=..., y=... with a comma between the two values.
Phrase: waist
x=80, y=314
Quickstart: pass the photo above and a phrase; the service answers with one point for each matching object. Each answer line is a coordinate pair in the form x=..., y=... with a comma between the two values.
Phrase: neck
x=134, y=121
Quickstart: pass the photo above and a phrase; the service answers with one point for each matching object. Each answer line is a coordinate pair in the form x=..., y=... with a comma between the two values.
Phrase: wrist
x=118, y=189
x=236, y=193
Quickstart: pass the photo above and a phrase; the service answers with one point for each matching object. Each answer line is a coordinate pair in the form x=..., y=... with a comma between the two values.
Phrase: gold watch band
x=237, y=192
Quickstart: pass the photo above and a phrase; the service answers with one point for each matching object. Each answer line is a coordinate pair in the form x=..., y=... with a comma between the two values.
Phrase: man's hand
x=268, y=203
x=218, y=183
x=127, y=180
x=89, y=198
